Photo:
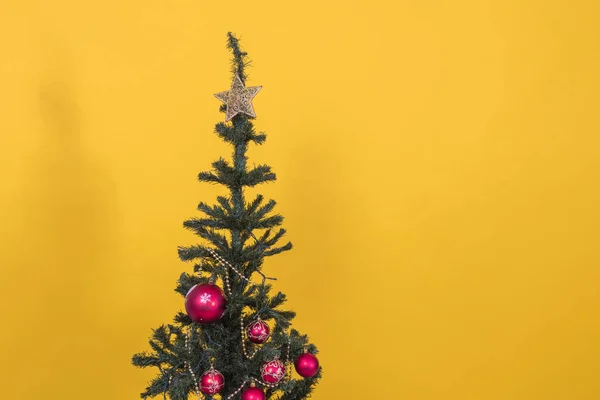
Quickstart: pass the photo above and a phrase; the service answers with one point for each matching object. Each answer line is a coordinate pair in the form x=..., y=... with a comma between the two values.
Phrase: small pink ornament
x=205, y=303
x=258, y=331
x=253, y=393
x=211, y=382
x=272, y=371
x=307, y=365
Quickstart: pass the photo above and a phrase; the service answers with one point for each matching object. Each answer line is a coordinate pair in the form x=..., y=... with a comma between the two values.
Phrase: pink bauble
x=211, y=382
x=258, y=331
x=253, y=393
x=307, y=365
x=272, y=371
x=205, y=303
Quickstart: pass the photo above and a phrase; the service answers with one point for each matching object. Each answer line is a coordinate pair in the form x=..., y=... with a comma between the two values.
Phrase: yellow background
x=438, y=165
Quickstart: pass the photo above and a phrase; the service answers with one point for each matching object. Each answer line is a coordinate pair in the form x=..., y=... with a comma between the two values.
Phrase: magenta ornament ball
x=258, y=331
x=272, y=371
x=211, y=382
x=307, y=365
x=253, y=393
x=205, y=303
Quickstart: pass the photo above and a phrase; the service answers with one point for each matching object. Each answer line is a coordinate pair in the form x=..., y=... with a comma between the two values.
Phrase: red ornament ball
x=258, y=331
x=253, y=393
x=272, y=371
x=307, y=365
x=211, y=382
x=205, y=303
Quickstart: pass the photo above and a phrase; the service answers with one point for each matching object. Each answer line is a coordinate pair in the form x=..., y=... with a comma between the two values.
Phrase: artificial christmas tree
x=234, y=340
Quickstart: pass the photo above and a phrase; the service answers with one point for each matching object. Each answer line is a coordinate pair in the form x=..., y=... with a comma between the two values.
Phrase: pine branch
x=182, y=318
x=264, y=210
x=156, y=386
x=162, y=335
x=186, y=282
x=268, y=222
x=301, y=388
x=207, y=233
x=145, y=359
x=259, y=174
x=210, y=178
x=271, y=241
x=215, y=212
x=240, y=60
x=277, y=250
x=259, y=138
x=252, y=207
x=225, y=171
x=196, y=251
x=226, y=132
x=225, y=203
x=277, y=300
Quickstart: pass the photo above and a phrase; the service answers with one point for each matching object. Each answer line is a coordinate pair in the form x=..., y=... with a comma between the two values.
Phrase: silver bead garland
x=224, y=263
x=227, y=265
x=288, y=370
x=243, y=333
x=227, y=282
x=270, y=385
x=237, y=391
x=188, y=338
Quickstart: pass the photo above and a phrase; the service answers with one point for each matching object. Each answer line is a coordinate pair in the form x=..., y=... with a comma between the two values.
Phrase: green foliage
x=243, y=233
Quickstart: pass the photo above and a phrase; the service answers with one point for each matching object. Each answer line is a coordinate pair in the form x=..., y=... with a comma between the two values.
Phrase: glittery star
x=239, y=98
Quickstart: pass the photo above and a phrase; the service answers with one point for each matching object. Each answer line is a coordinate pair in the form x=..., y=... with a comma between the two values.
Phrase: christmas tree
x=234, y=340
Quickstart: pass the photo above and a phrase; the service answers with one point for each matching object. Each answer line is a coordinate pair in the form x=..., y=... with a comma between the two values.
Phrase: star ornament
x=238, y=99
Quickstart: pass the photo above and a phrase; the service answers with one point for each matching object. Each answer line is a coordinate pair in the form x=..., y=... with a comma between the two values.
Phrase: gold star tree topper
x=238, y=99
